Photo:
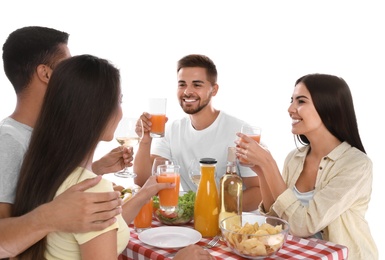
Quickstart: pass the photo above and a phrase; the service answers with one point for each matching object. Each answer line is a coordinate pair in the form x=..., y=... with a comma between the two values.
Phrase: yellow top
x=61, y=245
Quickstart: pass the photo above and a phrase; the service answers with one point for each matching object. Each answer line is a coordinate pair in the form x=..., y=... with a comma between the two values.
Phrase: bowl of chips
x=254, y=236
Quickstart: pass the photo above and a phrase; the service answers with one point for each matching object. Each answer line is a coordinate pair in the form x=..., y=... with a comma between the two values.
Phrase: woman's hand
x=114, y=161
x=152, y=187
x=251, y=151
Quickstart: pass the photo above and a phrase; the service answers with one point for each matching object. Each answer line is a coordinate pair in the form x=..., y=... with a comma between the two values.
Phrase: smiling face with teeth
x=305, y=118
x=194, y=89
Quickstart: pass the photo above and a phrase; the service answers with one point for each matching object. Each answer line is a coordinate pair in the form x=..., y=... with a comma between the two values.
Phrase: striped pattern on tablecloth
x=294, y=248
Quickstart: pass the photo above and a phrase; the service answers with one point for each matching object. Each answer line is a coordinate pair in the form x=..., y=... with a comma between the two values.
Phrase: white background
x=260, y=49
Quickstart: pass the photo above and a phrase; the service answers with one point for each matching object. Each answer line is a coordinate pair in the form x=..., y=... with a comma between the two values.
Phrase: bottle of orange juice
x=206, y=207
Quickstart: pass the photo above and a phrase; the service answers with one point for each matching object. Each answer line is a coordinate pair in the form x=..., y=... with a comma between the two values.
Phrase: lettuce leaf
x=184, y=212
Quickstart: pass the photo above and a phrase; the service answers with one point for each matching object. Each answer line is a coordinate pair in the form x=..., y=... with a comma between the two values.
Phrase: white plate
x=170, y=237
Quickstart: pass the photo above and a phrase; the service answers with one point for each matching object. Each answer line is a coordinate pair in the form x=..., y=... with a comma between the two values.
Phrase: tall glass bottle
x=231, y=189
x=206, y=207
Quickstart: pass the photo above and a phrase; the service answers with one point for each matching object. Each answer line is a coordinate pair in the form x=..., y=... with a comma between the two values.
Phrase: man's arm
x=5, y=210
x=72, y=211
x=18, y=233
x=252, y=194
x=143, y=160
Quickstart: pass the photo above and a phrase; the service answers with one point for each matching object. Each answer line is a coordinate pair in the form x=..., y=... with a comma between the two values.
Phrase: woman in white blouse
x=326, y=184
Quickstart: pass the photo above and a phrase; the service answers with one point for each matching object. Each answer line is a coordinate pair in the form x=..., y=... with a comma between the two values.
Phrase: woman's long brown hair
x=334, y=103
x=82, y=95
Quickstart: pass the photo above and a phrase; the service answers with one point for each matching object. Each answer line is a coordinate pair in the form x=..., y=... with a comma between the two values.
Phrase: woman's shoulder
x=80, y=174
x=347, y=154
x=103, y=185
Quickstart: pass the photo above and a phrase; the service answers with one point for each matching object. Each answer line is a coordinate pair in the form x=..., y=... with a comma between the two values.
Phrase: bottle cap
x=208, y=161
x=231, y=157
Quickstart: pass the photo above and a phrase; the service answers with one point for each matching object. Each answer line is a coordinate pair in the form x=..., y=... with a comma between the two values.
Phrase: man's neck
x=204, y=118
x=27, y=110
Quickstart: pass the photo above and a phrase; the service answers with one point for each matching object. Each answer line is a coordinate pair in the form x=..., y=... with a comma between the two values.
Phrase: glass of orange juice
x=255, y=133
x=143, y=220
x=168, y=198
x=157, y=110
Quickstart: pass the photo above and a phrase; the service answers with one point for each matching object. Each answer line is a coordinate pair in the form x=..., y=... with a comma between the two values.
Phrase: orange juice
x=243, y=161
x=144, y=217
x=158, y=124
x=169, y=197
x=206, y=207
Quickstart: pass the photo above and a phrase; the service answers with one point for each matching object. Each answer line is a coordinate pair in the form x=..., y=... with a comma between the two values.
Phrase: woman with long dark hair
x=326, y=184
x=81, y=108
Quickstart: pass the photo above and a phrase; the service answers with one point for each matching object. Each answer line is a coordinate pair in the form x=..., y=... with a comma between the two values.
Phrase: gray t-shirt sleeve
x=11, y=157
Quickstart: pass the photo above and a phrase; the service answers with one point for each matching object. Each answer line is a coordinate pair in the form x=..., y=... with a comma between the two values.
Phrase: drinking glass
x=157, y=109
x=194, y=171
x=143, y=220
x=160, y=161
x=127, y=136
x=168, y=198
x=253, y=132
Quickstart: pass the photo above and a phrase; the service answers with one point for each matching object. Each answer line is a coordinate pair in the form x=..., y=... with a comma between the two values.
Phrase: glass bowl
x=254, y=236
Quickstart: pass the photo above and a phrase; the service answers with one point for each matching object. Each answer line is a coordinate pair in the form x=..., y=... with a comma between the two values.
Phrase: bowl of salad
x=183, y=214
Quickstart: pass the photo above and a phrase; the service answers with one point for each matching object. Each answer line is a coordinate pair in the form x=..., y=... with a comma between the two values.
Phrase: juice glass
x=157, y=109
x=168, y=198
x=160, y=161
x=143, y=220
x=253, y=132
x=158, y=125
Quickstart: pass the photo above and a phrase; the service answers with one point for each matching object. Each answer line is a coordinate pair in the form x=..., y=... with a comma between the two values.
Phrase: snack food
x=259, y=245
x=254, y=236
x=125, y=194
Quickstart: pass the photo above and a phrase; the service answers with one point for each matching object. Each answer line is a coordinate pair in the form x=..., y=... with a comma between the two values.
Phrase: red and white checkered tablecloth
x=294, y=248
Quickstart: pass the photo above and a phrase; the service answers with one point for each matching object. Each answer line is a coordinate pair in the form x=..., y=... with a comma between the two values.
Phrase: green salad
x=183, y=214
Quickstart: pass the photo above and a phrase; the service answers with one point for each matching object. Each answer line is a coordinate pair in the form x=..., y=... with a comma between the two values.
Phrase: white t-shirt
x=182, y=143
x=14, y=141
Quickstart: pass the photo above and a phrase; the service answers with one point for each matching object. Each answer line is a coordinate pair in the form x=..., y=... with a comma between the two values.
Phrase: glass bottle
x=206, y=207
x=231, y=189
